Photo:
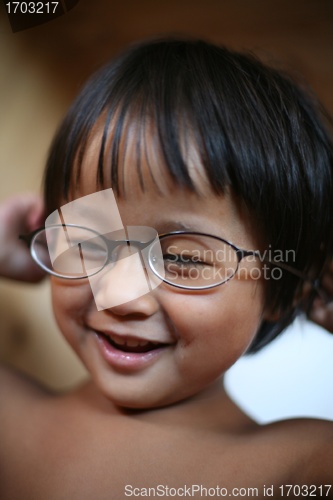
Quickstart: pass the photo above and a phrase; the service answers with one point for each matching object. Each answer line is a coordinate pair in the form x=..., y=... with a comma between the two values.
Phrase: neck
x=210, y=409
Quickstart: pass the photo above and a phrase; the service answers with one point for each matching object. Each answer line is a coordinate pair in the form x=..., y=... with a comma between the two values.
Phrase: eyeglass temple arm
x=27, y=238
x=315, y=283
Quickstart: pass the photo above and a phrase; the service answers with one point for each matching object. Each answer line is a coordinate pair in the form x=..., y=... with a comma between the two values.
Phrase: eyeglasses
x=189, y=260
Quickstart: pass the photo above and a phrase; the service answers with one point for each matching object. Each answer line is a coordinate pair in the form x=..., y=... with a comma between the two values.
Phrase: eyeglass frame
x=111, y=245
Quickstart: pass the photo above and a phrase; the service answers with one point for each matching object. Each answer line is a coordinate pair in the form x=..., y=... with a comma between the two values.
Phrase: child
x=228, y=161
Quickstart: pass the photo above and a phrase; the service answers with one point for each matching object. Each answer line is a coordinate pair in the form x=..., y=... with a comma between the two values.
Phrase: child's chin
x=135, y=405
x=139, y=402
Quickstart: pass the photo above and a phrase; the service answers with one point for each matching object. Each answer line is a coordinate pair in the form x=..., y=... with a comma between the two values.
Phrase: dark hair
x=257, y=133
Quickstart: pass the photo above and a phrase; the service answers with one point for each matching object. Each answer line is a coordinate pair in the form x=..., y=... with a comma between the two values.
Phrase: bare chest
x=78, y=460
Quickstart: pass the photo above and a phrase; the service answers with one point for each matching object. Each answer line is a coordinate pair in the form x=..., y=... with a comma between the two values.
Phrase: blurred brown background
x=42, y=68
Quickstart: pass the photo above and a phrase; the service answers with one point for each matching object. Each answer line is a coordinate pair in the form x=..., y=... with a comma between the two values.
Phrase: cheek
x=219, y=325
x=71, y=302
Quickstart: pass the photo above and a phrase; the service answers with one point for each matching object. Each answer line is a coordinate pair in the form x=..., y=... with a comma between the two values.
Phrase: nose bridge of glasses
x=121, y=248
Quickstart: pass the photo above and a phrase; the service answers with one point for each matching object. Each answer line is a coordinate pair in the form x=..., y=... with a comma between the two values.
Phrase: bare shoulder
x=16, y=386
x=319, y=465
x=310, y=443
x=22, y=411
x=19, y=394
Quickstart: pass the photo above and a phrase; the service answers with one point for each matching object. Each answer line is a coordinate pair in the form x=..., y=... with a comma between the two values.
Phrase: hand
x=322, y=309
x=19, y=215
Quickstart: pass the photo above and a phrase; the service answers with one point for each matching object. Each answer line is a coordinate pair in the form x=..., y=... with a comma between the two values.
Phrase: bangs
x=133, y=150
x=165, y=135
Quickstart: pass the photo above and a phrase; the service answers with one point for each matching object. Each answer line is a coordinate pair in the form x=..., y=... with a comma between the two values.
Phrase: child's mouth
x=132, y=345
x=129, y=354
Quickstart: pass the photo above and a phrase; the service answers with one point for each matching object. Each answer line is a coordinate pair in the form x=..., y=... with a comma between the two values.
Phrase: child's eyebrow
x=169, y=226
x=163, y=227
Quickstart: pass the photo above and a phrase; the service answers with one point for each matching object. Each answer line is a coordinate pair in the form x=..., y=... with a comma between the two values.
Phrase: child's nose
x=125, y=286
x=143, y=306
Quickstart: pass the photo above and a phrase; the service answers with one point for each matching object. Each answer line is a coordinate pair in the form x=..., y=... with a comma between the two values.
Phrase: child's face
x=201, y=333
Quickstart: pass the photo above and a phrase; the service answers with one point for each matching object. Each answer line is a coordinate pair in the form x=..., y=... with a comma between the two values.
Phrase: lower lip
x=129, y=361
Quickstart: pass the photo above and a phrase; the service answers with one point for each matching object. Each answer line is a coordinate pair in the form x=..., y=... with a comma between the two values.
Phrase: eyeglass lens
x=72, y=252
x=195, y=261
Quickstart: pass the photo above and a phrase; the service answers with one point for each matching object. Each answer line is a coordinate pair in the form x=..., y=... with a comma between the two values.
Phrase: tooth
x=118, y=340
x=143, y=343
x=132, y=343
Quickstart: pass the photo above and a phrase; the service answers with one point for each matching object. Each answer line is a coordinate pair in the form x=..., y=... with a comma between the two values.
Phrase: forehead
x=133, y=158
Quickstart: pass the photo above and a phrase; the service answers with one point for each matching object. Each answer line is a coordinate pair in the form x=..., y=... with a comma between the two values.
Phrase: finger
x=21, y=213
x=36, y=216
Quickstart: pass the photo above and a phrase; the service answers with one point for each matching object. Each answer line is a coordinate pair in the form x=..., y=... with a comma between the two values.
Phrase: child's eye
x=80, y=257
x=93, y=249
x=185, y=260
x=77, y=253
